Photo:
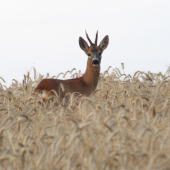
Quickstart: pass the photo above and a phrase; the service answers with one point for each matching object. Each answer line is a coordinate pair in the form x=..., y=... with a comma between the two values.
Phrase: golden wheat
x=125, y=124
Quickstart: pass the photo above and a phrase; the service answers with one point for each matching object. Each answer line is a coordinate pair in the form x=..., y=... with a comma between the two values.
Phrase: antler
x=96, y=38
x=88, y=38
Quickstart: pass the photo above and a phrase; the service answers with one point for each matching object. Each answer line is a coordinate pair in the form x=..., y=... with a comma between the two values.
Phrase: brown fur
x=84, y=85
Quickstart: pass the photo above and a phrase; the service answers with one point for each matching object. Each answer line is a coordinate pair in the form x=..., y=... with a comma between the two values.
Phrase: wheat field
x=124, y=125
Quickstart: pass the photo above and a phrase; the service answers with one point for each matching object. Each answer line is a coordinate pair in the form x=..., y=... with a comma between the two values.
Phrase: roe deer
x=87, y=83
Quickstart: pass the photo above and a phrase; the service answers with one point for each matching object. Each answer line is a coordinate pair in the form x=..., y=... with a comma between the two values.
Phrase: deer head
x=93, y=51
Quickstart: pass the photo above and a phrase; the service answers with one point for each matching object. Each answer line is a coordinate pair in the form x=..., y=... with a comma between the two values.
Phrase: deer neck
x=91, y=75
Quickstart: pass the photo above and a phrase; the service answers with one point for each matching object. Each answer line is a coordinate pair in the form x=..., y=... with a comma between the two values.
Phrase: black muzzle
x=95, y=62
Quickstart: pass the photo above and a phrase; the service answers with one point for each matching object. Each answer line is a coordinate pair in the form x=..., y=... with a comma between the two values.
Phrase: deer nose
x=95, y=62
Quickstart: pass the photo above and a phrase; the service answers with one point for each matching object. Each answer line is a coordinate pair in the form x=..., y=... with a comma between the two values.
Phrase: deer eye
x=89, y=54
x=100, y=53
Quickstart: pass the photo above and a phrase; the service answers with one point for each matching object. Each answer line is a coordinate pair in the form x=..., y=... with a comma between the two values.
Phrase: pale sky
x=44, y=35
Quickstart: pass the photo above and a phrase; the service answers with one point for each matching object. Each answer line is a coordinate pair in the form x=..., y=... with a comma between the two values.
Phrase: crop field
x=123, y=125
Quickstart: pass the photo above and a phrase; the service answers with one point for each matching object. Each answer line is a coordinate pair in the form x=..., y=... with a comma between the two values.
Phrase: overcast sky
x=44, y=35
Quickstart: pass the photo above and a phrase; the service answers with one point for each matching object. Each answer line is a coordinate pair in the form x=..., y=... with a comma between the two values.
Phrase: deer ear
x=104, y=43
x=83, y=44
